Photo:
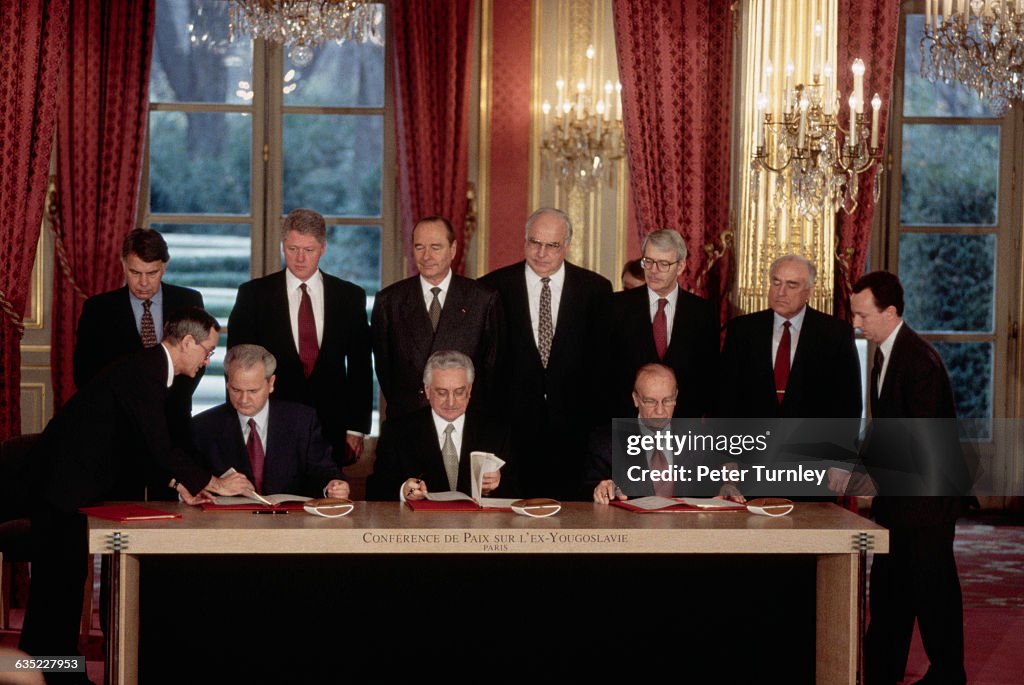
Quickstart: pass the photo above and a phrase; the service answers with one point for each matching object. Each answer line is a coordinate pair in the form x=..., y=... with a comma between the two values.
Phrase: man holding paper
x=431, y=446
x=277, y=444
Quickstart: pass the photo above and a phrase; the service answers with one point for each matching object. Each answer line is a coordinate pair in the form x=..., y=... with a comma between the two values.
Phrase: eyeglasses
x=210, y=351
x=657, y=264
x=651, y=403
x=539, y=246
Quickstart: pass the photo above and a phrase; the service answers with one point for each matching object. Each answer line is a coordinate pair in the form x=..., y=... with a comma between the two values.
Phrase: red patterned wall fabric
x=675, y=64
x=432, y=67
x=101, y=132
x=867, y=29
x=33, y=42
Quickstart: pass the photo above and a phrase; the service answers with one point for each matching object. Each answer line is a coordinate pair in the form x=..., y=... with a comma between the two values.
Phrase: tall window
x=953, y=230
x=238, y=137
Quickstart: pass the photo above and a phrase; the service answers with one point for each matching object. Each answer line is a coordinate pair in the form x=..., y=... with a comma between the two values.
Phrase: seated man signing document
x=277, y=444
x=430, y=448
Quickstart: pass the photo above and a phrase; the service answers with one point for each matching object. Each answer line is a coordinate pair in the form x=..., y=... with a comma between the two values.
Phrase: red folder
x=456, y=505
x=255, y=506
x=677, y=509
x=128, y=512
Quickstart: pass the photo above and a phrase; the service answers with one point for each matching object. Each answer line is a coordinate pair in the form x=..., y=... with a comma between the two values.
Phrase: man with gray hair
x=431, y=446
x=663, y=323
x=315, y=326
x=790, y=360
x=549, y=370
x=277, y=444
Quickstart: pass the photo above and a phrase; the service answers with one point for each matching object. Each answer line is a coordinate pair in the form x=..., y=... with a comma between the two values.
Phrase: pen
x=272, y=511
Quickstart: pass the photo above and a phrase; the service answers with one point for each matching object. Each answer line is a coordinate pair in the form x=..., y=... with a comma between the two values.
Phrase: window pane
x=940, y=273
x=213, y=259
x=921, y=98
x=353, y=253
x=199, y=163
x=346, y=75
x=970, y=370
x=332, y=163
x=193, y=60
x=950, y=174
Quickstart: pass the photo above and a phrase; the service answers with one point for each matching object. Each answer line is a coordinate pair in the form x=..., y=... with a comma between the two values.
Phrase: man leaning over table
x=655, y=393
x=277, y=444
x=105, y=444
x=430, y=448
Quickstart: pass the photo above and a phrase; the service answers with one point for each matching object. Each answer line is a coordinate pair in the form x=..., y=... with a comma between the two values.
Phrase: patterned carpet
x=991, y=563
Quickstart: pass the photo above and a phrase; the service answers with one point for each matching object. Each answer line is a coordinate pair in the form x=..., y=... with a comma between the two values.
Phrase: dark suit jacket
x=692, y=352
x=559, y=404
x=341, y=385
x=471, y=323
x=107, y=331
x=409, y=447
x=824, y=380
x=111, y=438
x=903, y=455
x=298, y=460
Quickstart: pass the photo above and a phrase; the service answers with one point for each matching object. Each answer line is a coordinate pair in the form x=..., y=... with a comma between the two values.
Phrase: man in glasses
x=119, y=322
x=549, y=371
x=662, y=323
x=107, y=443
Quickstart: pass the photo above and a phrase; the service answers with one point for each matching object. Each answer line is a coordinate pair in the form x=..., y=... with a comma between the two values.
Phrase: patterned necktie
x=309, y=348
x=782, y=364
x=545, y=331
x=435, y=308
x=256, y=456
x=660, y=325
x=662, y=488
x=147, y=328
x=451, y=458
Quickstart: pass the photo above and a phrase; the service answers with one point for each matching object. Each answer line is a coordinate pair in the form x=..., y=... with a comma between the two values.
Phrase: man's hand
x=190, y=499
x=606, y=491
x=491, y=481
x=337, y=488
x=732, y=493
x=838, y=479
x=355, y=443
x=414, y=489
x=232, y=484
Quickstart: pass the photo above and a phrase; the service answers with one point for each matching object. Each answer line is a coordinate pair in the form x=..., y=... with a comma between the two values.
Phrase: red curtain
x=432, y=67
x=33, y=35
x=868, y=30
x=101, y=129
x=675, y=64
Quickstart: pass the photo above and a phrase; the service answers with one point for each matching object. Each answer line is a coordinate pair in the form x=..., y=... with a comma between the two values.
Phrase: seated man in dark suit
x=104, y=444
x=116, y=323
x=277, y=444
x=431, y=447
x=655, y=393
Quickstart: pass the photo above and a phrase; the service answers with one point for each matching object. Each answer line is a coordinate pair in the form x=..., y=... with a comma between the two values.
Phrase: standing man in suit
x=663, y=323
x=790, y=360
x=315, y=326
x=918, y=578
x=276, y=444
x=435, y=310
x=431, y=446
x=104, y=444
x=116, y=323
x=549, y=373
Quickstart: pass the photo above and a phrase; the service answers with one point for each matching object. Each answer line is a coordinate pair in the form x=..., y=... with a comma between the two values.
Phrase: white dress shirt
x=886, y=347
x=670, y=310
x=262, y=418
x=440, y=425
x=795, y=325
x=428, y=296
x=534, y=286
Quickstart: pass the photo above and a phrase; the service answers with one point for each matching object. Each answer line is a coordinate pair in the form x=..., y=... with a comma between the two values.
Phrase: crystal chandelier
x=980, y=44
x=582, y=141
x=304, y=24
x=815, y=161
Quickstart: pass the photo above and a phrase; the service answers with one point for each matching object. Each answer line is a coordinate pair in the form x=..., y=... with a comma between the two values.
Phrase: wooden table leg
x=122, y=666
x=838, y=631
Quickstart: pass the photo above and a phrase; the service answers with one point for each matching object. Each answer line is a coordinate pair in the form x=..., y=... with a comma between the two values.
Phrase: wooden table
x=835, y=537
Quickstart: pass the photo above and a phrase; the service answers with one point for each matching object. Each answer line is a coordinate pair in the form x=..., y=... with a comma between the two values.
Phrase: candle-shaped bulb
x=858, y=67
x=590, y=52
x=876, y=104
x=560, y=85
x=769, y=70
x=546, y=108
x=581, y=86
x=789, y=69
x=827, y=70
x=600, y=107
x=818, y=29
x=566, y=107
x=608, y=88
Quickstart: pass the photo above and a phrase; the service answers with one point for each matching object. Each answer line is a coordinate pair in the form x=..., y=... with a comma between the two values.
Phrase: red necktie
x=308, y=346
x=662, y=488
x=256, y=456
x=782, y=364
x=661, y=329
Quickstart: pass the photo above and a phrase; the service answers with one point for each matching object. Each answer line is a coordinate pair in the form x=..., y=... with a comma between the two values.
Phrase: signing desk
x=833, y=536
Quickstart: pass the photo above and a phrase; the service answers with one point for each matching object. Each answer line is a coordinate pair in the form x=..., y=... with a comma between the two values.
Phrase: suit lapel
x=641, y=323
x=414, y=311
x=282, y=327
x=126, y=320
x=232, y=444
